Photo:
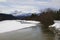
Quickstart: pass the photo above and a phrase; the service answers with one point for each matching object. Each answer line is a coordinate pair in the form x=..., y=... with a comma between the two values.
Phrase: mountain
x=22, y=15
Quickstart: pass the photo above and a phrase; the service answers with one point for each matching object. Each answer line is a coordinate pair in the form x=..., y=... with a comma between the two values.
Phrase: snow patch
x=56, y=25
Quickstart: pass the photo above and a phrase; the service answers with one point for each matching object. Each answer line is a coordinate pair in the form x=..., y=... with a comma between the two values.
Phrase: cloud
x=28, y=5
x=56, y=2
x=26, y=9
x=37, y=3
x=3, y=0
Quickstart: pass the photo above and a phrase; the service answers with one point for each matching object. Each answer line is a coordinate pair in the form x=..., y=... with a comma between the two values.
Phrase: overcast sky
x=28, y=5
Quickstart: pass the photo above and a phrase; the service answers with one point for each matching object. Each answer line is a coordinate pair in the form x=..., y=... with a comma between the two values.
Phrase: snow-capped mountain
x=19, y=13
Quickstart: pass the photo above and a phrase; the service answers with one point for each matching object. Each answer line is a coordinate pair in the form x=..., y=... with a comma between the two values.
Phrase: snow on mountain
x=19, y=13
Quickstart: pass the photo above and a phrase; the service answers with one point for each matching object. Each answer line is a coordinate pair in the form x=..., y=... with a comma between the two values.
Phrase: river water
x=37, y=32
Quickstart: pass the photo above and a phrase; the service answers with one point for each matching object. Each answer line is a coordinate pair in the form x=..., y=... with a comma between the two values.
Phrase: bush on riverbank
x=47, y=17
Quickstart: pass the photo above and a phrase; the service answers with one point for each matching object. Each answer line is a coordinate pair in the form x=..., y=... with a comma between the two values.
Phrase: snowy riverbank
x=11, y=25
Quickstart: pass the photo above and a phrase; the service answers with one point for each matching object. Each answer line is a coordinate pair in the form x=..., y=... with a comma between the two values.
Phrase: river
x=31, y=33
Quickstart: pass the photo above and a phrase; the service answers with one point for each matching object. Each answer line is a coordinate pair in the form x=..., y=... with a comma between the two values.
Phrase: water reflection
x=47, y=34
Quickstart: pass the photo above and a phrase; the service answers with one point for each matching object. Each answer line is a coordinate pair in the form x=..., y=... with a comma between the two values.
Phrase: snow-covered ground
x=56, y=25
x=11, y=25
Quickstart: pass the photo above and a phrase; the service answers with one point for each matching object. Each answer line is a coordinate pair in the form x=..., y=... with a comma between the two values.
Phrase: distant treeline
x=4, y=16
x=46, y=17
